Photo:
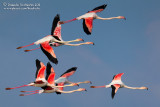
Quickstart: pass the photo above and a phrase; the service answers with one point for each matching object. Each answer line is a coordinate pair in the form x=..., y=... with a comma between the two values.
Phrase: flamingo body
x=90, y=16
x=116, y=84
x=40, y=79
x=50, y=87
x=54, y=40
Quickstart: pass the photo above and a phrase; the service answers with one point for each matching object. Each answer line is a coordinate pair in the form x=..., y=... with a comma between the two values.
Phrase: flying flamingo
x=51, y=88
x=63, y=79
x=89, y=16
x=40, y=78
x=116, y=84
x=54, y=40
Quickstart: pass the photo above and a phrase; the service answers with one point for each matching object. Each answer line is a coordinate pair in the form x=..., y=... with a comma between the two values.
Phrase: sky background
x=130, y=46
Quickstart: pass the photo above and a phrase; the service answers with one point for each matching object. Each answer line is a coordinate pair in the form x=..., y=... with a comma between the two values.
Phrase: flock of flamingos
x=48, y=82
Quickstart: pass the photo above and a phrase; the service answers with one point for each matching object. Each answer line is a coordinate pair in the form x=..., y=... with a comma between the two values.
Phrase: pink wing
x=115, y=88
x=98, y=9
x=40, y=69
x=88, y=25
x=69, y=72
x=57, y=31
x=48, y=51
x=117, y=77
x=51, y=78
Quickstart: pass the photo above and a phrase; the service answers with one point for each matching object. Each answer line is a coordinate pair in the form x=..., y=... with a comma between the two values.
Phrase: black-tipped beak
x=90, y=82
x=85, y=90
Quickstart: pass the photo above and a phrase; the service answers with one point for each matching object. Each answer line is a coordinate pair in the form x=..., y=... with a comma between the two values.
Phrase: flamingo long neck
x=81, y=82
x=16, y=87
x=62, y=86
x=132, y=87
x=69, y=21
x=69, y=91
x=110, y=18
x=77, y=44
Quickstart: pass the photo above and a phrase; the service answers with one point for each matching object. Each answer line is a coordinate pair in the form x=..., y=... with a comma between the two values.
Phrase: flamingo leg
x=31, y=49
x=25, y=46
x=63, y=22
x=16, y=87
x=28, y=94
x=29, y=91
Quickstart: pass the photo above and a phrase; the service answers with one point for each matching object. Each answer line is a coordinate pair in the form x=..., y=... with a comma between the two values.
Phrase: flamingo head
x=82, y=89
x=90, y=43
x=79, y=40
x=121, y=17
x=144, y=88
x=88, y=82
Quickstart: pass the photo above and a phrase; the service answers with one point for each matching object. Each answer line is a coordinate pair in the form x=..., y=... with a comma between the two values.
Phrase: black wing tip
x=105, y=5
x=73, y=69
x=100, y=7
x=113, y=77
x=57, y=17
x=113, y=91
x=48, y=64
x=55, y=61
x=38, y=61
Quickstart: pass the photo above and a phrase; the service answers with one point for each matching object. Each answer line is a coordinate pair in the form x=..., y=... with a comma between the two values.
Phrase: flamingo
x=54, y=40
x=51, y=88
x=116, y=84
x=40, y=78
x=89, y=16
x=63, y=79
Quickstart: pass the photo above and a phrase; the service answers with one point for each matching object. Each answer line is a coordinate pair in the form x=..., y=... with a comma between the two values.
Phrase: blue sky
x=130, y=46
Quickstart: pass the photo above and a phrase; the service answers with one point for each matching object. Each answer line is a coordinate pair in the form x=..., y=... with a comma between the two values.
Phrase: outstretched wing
x=48, y=51
x=99, y=8
x=49, y=69
x=117, y=77
x=88, y=25
x=56, y=28
x=51, y=77
x=54, y=23
x=115, y=88
x=69, y=72
x=40, y=69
